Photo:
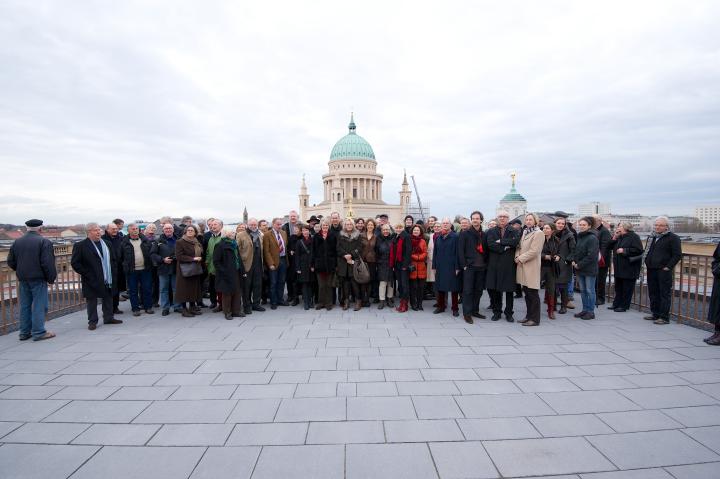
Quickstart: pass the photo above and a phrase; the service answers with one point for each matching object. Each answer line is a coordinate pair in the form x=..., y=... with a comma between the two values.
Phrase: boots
x=403, y=306
x=358, y=305
x=381, y=304
x=551, y=305
x=563, y=301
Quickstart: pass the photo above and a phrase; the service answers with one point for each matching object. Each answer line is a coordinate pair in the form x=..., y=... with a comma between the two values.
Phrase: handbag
x=361, y=273
x=188, y=270
x=636, y=258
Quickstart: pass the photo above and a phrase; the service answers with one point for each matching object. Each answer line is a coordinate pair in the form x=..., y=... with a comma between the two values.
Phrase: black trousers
x=291, y=280
x=211, y=289
x=497, y=302
x=253, y=286
x=660, y=284
x=600, y=284
x=417, y=292
x=624, y=289
x=348, y=287
x=107, y=308
x=307, y=294
x=473, y=285
x=532, y=303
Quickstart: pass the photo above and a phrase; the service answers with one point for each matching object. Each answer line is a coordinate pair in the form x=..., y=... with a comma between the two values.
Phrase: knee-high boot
x=550, y=304
x=563, y=301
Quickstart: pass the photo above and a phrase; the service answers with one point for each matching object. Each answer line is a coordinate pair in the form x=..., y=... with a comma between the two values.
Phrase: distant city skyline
x=138, y=110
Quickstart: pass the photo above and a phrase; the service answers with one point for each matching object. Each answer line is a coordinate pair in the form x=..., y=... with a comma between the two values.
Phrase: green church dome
x=513, y=195
x=352, y=145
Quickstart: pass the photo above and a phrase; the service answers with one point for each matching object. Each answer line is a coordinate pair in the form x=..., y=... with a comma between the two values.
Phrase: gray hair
x=664, y=219
x=131, y=225
x=626, y=225
x=91, y=226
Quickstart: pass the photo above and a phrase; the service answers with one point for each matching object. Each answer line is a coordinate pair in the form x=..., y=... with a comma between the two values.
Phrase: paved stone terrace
x=374, y=394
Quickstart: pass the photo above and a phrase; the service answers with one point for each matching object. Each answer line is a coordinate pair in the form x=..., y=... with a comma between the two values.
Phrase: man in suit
x=210, y=239
x=275, y=252
x=291, y=276
x=93, y=259
x=253, y=287
x=473, y=256
x=33, y=259
x=502, y=242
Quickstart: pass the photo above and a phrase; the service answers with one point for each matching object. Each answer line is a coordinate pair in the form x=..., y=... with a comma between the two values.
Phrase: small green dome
x=352, y=145
x=513, y=195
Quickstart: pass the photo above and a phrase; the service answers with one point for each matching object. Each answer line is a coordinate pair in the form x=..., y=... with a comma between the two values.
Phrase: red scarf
x=416, y=245
x=396, y=252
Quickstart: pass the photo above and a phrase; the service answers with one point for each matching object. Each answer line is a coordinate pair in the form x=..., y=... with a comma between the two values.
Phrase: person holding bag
x=527, y=258
x=348, y=247
x=230, y=275
x=189, y=255
x=303, y=265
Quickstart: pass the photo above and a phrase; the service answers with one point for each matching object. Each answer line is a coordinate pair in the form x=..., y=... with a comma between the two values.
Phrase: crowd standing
x=356, y=263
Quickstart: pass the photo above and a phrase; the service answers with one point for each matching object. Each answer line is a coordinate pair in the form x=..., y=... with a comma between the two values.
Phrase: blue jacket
x=32, y=258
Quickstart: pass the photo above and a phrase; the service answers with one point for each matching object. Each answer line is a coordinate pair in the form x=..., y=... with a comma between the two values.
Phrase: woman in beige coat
x=527, y=258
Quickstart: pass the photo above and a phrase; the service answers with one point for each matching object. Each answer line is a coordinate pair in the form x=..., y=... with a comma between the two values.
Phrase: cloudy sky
x=143, y=108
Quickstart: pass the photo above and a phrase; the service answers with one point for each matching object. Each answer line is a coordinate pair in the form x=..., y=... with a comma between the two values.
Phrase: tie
x=280, y=243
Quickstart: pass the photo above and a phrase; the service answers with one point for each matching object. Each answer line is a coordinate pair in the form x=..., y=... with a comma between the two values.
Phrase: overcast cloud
x=144, y=108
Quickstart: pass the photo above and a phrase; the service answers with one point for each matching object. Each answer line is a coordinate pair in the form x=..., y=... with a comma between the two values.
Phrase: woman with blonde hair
x=527, y=259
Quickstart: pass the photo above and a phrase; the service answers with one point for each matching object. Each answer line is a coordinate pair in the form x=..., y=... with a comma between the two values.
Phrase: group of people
x=358, y=262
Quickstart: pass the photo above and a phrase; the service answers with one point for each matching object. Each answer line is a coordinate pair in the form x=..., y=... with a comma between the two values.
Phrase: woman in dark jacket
x=400, y=261
x=385, y=276
x=447, y=266
x=585, y=262
x=229, y=275
x=188, y=290
x=627, y=260
x=566, y=248
x=324, y=262
x=348, y=251
x=303, y=265
x=549, y=269
x=714, y=311
x=368, y=239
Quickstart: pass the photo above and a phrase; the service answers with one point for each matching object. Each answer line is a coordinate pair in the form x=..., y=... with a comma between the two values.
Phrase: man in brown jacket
x=275, y=253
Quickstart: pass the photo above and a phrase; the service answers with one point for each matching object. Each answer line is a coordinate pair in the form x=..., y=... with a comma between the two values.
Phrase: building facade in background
x=513, y=202
x=593, y=208
x=709, y=216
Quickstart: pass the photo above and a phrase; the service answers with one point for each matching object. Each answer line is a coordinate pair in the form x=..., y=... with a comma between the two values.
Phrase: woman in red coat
x=418, y=267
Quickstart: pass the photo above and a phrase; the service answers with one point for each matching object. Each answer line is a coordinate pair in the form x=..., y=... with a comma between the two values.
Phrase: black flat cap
x=33, y=223
x=313, y=218
x=561, y=214
x=382, y=215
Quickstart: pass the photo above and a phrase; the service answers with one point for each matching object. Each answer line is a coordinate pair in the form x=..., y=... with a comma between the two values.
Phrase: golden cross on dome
x=513, y=175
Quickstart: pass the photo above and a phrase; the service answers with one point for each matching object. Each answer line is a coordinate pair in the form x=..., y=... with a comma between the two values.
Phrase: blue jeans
x=144, y=279
x=587, y=292
x=33, y=307
x=277, y=283
x=571, y=284
x=167, y=284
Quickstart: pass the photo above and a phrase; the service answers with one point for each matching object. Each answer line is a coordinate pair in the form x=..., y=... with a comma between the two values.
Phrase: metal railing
x=64, y=296
x=693, y=284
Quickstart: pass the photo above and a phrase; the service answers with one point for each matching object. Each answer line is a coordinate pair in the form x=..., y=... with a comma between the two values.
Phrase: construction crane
x=417, y=194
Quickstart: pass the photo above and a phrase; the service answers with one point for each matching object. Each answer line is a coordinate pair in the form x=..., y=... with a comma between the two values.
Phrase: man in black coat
x=162, y=254
x=33, y=259
x=137, y=265
x=291, y=276
x=604, y=238
x=502, y=242
x=93, y=259
x=473, y=258
x=664, y=252
x=114, y=237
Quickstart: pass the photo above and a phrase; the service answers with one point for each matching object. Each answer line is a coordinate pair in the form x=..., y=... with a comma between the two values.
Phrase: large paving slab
x=370, y=394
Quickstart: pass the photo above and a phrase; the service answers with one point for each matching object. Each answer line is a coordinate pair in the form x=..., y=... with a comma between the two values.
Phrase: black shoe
x=258, y=308
x=228, y=316
x=165, y=312
x=381, y=305
x=468, y=319
x=217, y=309
x=113, y=321
x=25, y=337
x=149, y=311
x=714, y=342
x=156, y=305
x=137, y=312
x=238, y=315
x=612, y=307
x=588, y=316
x=619, y=310
x=438, y=311
x=247, y=311
x=495, y=317
x=92, y=326
x=263, y=301
x=375, y=300
x=421, y=308
x=649, y=318
x=456, y=313
x=284, y=303
x=273, y=306
x=714, y=335
x=117, y=311
x=509, y=318
x=478, y=315
x=579, y=315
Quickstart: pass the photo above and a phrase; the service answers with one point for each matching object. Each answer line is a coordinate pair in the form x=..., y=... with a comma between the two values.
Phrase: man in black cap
x=33, y=260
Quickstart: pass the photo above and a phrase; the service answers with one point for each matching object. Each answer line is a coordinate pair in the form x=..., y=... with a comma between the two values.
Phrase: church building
x=352, y=186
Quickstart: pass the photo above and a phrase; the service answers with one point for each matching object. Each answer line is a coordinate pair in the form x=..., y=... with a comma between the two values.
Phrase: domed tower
x=513, y=202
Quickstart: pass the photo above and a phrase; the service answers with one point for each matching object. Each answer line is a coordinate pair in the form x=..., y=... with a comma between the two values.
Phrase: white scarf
x=105, y=260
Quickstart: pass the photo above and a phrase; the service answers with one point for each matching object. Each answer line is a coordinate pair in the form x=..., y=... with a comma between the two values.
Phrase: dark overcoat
x=324, y=258
x=566, y=248
x=632, y=246
x=714, y=311
x=303, y=260
x=501, y=271
x=383, y=247
x=229, y=278
x=187, y=289
x=86, y=262
x=160, y=250
x=586, y=253
x=347, y=243
x=445, y=262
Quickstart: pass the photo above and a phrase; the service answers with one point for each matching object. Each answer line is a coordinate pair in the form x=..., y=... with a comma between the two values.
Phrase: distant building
x=593, y=208
x=708, y=215
x=352, y=186
x=513, y=202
